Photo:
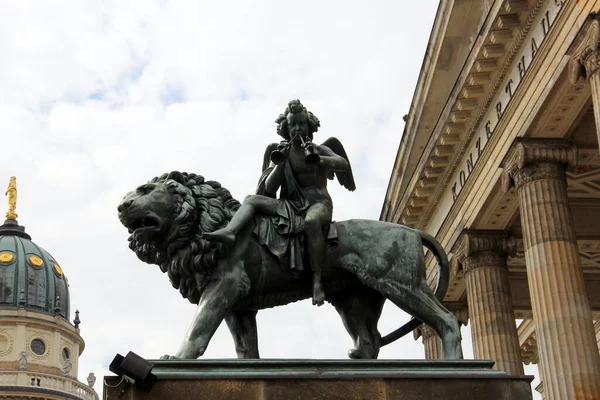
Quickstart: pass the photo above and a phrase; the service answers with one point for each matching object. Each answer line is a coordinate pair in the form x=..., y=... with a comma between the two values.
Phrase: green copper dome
x=30, y=277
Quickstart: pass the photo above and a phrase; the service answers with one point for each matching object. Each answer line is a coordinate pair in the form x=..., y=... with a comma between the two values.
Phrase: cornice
x=403, y=199
x=464, y=112
x=430, y=57
x=457, y=216
x=482, y=111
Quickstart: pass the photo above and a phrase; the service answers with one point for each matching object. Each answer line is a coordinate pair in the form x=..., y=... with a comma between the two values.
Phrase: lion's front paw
x=168, y=357
x=355, y=354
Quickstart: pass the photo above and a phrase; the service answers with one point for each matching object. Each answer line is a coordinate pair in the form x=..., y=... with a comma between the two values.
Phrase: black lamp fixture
x=134, y=369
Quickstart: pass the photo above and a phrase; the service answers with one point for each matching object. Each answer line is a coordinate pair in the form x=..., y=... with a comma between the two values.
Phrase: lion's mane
x=188, y=259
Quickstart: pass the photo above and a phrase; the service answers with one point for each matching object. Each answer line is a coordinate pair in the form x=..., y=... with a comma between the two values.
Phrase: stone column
x=570, y=363
x=482, y=255
x=585, y=63
x=431, y=341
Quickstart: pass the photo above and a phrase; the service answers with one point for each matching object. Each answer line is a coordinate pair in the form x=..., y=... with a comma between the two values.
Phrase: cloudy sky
x=97, y=97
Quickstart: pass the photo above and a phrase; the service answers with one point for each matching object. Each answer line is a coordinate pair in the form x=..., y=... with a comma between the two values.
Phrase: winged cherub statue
x=299, y=169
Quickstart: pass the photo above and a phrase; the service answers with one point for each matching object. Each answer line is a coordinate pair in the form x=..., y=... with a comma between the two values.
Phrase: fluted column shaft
x=585, y=63
x=431, y=342
x=483, y=255
x=570, y=364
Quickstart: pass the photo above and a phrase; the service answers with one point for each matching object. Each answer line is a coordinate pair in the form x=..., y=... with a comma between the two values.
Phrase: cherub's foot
x=318, y=295
x=221, y=235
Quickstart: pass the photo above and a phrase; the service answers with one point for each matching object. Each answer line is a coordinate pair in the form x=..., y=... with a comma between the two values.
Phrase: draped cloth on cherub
x=283, y=234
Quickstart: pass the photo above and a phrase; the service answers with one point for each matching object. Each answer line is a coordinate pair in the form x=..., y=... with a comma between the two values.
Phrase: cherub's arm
x=331, y=160
x=270, y=183
x=275, y=179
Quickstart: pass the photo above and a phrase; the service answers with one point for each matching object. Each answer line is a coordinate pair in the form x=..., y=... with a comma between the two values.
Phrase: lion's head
x=166, y=217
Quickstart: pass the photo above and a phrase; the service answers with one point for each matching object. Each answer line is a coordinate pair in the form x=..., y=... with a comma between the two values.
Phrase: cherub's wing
x=345, y=178
x=267, y=157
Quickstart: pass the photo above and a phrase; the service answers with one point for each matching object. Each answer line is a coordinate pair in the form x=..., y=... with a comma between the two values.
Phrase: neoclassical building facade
x=39, y=346
x=500, y=161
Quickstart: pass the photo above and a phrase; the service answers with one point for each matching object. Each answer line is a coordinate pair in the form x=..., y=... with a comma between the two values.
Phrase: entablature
x=493, y=73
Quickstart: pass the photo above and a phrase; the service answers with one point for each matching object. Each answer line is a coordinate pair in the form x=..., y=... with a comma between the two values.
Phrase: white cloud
x=97, y=97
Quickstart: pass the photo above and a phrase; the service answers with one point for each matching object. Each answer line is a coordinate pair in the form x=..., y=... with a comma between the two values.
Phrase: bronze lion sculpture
x=370, y=261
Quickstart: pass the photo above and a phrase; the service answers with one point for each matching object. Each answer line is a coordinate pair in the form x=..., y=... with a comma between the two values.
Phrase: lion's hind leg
x=242, y=325
x=420, y=302
x=360, y=311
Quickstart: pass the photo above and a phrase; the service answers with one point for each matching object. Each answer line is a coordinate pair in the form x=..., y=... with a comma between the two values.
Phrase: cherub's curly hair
x=295, y=107
x=188, y=259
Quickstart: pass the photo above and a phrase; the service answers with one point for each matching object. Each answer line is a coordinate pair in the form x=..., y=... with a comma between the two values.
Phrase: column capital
x=551, y=156
x=424, y=331
x=460, y=311
x=585, y=55
x=477, y=248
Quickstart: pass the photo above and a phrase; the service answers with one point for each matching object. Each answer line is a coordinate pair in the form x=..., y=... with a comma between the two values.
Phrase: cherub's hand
x=279, y=155
x=284, y=148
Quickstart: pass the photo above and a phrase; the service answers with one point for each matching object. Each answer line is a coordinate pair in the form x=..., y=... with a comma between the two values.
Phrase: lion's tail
x=440, y=291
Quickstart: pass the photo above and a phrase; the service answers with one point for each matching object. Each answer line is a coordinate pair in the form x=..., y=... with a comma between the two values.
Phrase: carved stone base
x=326, y=379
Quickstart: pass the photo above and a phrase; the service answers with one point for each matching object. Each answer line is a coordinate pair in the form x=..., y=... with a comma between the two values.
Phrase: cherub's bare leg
x=250, y=207
x=317, y=215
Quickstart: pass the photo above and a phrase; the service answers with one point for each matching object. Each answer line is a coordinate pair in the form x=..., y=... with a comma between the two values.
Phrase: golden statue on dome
x=11, y=193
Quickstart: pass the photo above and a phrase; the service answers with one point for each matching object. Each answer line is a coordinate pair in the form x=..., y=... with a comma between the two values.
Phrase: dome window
x=38, y=346
x=66, y=355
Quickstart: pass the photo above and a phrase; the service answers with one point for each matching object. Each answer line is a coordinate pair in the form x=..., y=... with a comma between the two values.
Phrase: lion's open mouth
x=144, y=224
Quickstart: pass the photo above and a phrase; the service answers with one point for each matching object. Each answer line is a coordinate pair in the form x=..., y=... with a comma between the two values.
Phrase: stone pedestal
x=569, y=360
x=325, y=380
x=482, y=255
